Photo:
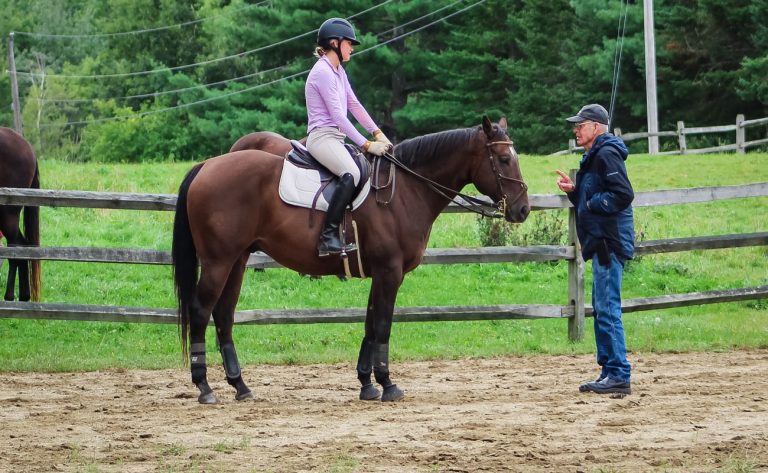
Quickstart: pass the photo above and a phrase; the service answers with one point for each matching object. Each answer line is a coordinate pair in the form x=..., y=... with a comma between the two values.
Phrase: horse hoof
x=208, y=398
x=244, y=396
x=392, y=393
x=369, y=392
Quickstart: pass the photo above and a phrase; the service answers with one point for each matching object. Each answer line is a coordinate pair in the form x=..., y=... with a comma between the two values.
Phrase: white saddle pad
x=298, y=186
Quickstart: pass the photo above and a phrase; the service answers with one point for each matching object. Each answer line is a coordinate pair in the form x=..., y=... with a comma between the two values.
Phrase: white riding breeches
x=326, y=144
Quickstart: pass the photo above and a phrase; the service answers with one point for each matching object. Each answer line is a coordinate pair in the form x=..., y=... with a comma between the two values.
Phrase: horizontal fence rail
x=492, y=254
x=131, y=201
x=536, y=253
x=102, y=313
x=740, y=144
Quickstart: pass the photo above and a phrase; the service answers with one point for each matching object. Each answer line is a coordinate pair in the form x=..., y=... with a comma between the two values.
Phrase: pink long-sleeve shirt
x=329, y=97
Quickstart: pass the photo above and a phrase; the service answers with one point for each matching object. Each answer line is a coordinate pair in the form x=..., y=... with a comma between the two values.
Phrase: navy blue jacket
x=603, y=200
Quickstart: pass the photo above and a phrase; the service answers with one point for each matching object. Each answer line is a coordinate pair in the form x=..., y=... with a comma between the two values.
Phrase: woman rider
x=329, y=97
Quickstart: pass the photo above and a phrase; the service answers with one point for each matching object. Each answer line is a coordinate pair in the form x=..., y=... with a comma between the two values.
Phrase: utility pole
x=650, y=78
x=14, y=86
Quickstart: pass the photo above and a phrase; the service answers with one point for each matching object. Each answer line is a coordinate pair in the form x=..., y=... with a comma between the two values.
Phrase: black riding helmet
x=335, y=28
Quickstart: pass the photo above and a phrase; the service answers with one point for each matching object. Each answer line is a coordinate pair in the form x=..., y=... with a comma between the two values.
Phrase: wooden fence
x=574, y=310
x=740, y=145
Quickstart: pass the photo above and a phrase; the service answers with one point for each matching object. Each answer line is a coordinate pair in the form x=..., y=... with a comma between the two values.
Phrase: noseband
x=502, y=204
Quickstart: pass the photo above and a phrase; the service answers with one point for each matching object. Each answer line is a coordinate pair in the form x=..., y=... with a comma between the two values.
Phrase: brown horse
x=228, y=207
x=266, y=141
x=18, y=168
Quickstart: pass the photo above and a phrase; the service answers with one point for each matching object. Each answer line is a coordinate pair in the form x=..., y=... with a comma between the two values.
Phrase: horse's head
x=498, y=175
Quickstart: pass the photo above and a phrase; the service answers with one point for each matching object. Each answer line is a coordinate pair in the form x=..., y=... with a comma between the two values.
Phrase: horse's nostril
x=524, y=211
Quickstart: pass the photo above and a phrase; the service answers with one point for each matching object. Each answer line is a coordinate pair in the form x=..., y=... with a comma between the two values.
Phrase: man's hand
x=382, y=138
x=564, y=182
x=378, y=148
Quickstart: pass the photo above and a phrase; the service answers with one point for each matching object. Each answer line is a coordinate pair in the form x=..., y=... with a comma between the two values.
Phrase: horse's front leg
x=368, y=391
x=381, y=309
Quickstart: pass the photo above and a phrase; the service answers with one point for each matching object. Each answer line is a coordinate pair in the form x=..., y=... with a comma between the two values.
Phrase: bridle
x=473, y=204
x=502, y=204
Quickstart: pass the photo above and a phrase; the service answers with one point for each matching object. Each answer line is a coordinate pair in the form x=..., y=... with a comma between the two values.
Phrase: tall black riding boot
x=330, y=241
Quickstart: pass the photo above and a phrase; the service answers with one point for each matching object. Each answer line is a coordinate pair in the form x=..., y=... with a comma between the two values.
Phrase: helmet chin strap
x=337, y=50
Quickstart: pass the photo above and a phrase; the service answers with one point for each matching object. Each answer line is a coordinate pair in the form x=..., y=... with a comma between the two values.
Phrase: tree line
x=149, y=80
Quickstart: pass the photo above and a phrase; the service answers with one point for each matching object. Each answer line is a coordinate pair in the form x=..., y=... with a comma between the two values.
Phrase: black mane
x=415, y=151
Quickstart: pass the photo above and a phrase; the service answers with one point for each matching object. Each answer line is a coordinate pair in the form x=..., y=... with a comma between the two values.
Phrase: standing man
x=602, y=197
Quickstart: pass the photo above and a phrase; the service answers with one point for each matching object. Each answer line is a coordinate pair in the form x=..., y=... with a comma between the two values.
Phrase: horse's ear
x=503, y=123
x=487, y=126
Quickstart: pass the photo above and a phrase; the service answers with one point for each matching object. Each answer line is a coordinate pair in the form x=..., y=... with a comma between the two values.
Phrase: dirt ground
x=688, y=412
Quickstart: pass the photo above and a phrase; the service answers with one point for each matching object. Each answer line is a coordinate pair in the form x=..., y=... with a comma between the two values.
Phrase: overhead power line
x=622, y=28
x=165, y=69
x=136, y=32
x=247, y=76
x=258, y=86
x=176, y=107
x=167, y=92
x=383, y=33
x=185, y=66
x=423, y=27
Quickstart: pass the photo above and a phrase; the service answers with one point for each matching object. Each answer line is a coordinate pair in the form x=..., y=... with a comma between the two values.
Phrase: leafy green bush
x=541, y=228
x=492, y=231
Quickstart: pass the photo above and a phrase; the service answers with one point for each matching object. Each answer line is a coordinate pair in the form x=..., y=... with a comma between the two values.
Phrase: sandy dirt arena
x=688, y=412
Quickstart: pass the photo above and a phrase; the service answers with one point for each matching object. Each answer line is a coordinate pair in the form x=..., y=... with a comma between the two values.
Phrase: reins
x=476, y=205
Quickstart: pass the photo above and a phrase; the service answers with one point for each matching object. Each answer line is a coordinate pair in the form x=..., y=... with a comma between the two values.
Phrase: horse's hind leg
x=23, y=267
x=10, y=284
x=209, y=288
x=224, y=316
x=10, y=227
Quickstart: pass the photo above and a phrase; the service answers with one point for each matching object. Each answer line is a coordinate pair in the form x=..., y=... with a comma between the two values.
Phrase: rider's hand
x=382, y=138
x=377, y=147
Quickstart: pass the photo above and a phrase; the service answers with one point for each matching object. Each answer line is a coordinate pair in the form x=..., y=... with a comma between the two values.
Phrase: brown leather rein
x=478, y=206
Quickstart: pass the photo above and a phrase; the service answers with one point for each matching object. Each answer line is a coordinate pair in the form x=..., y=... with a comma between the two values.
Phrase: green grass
x=36, y=345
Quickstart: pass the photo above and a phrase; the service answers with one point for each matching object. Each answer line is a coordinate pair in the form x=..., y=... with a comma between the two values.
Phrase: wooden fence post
x=681, y=137
x=571, y=145
x=740, y=134
x=575, y=278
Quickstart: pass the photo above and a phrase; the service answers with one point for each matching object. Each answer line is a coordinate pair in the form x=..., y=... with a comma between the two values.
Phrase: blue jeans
x=609, y=331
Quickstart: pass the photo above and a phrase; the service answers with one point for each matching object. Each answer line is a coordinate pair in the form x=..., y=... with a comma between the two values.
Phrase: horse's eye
x=505, y=158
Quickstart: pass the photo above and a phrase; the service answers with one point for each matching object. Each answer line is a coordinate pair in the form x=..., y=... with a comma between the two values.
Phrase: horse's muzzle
x=517, y=214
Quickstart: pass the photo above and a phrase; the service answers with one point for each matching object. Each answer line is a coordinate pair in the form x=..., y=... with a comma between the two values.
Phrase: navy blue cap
x=592, y=112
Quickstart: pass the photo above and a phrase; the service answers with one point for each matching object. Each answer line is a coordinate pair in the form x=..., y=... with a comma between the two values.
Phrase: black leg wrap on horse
x=231, y=365
x=232, y=370
x=381, y=363
x=365, y=362
x=364, y=369
x=197, y=363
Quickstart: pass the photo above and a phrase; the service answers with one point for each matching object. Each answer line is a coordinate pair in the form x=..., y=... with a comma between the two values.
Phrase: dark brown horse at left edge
x=229, y=207
x=18, y=168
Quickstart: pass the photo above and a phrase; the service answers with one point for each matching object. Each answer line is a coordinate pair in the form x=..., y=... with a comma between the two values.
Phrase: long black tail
x=184, y=256
x=32, y=237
